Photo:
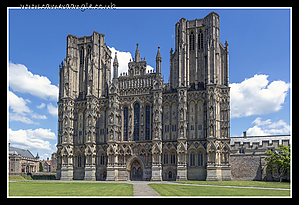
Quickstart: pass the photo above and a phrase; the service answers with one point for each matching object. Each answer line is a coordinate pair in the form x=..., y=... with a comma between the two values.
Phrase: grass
x=19, y=178
x=183, y=190
x=69, y=189
x=285, y=185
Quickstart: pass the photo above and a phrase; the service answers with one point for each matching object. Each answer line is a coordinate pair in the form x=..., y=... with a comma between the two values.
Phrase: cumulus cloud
x=42, y=105
x=268, y=127
x=254, y=96
x=23, y=81
x=123, y=60
x=52, y=110
x=20, y=111
x=32, y=139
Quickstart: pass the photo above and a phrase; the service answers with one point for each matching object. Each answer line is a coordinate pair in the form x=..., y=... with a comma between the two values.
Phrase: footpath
x=143, y=189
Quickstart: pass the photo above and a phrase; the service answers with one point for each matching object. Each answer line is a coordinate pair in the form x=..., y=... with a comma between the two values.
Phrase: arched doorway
x=169, y=175
x=136, y=173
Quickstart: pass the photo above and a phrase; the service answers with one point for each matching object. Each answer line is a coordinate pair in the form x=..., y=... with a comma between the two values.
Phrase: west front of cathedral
x=135, y=126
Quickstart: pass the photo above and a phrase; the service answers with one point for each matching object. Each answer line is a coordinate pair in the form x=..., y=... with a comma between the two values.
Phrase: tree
x=41, y=168
x=279, y=159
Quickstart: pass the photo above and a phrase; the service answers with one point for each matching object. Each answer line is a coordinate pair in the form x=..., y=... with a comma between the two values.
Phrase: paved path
x=143, y=189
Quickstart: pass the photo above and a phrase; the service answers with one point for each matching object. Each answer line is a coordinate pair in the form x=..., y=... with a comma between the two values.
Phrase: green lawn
x=285, y=185
x=183, y=190
x=69, y=189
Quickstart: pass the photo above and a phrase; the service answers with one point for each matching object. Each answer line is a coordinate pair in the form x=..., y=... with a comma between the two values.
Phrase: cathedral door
x=136, y=171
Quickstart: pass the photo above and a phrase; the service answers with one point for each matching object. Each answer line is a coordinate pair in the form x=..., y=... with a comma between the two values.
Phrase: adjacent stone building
x=137, y=127
x=21, y=161
x=248, y=157
x=50, y=165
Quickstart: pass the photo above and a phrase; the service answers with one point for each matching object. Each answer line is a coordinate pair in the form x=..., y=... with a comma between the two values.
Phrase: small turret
x=115, y=66
x=137, y=54
x=158, y=61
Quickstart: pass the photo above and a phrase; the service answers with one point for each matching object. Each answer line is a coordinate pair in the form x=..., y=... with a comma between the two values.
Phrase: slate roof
x=22, y=152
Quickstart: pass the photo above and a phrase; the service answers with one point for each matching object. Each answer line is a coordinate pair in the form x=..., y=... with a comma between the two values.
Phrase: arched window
x=147, y=122
x=136, y=121
x=191, y=41
x=81, y=55
x=192, y=159
x=165, y=158
x=125, y=137
x=89, y=52
x=102, y=159
x=172, y=158
x=79, y=160
x=200, y=40
x=200, y=158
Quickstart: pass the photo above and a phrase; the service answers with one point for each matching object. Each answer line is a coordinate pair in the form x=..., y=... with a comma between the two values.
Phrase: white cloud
x=254, y=96
x=20, y=111
x=32, y=139
x=123, y=60
x=22, y=80
x=42, y=105
x=18, y=104
x=52, y=110
x=268, y=127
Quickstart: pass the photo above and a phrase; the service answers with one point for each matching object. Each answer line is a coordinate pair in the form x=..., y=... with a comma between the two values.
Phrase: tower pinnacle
x=158, y=61
x=115, y=66
x=137, y=54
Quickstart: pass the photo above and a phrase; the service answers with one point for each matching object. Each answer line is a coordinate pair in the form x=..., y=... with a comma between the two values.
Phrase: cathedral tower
x=84, y=76
x=199, y=57
x=86, y=67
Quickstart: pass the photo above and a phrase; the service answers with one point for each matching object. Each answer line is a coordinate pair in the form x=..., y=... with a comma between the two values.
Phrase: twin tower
x=136, y=127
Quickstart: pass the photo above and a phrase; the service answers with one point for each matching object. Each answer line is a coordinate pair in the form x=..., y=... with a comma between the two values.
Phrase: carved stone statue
x=182, y=114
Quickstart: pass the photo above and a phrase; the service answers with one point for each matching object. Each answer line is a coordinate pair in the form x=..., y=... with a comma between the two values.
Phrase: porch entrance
x=136, y=173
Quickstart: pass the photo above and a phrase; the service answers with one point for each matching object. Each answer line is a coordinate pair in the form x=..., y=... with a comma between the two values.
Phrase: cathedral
x=136, y=127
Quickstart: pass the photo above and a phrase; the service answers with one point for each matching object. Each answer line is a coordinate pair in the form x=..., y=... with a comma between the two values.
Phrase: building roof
x=22, y=152
x=46, y=162
x=259, y=139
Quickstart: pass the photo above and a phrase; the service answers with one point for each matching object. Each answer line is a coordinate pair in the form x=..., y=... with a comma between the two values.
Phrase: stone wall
x=245, y=168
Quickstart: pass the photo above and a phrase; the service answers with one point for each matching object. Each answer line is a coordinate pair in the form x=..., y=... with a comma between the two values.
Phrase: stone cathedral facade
x=135, y=126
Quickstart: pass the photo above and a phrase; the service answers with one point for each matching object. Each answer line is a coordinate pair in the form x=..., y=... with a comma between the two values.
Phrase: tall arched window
x=81, y=55
x=200, y=158
x=172, y=158
x=136, y=122
x=200, y=40
x=125, y=137
x=89, y=51
x=191, y=41
x=192, y=159
x=147, y=122
x=165, y=158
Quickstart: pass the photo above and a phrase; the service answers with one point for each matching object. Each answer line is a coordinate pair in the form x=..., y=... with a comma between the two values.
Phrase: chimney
x=244, y=134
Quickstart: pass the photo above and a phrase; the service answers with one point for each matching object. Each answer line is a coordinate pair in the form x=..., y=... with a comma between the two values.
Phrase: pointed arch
x=211, y=147
x=191, y=40
x=110, y=150
x=200, y=40
x=125, y=121
x=147, y=121
x=181, y=148
x=156, y=149
x=136, y=121
x=133, y=159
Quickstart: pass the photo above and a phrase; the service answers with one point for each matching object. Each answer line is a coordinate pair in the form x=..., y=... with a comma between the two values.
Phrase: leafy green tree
x=279, y=159
x=41, y=168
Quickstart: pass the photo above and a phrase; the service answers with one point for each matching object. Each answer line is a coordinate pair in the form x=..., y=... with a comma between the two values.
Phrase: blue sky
x=259, y=49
